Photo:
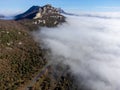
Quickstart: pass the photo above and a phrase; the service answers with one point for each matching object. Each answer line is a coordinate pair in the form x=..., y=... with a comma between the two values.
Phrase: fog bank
x=90, y=46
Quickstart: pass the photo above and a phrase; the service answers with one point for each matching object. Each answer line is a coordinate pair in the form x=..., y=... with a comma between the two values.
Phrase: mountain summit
x=36, y=12
x=46, y=15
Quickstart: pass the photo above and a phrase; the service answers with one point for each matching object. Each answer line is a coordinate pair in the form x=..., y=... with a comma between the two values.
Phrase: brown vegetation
x=21, y=58
x=20, y=55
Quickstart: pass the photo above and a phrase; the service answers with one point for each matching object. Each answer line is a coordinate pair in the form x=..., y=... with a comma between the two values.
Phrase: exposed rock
x=38, y=15
x=36, y=12
x=42, y=16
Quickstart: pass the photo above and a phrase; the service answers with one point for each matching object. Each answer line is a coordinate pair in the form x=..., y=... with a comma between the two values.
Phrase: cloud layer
x=90, y=46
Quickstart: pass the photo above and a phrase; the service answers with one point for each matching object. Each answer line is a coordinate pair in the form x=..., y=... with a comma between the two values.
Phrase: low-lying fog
x=90, y=46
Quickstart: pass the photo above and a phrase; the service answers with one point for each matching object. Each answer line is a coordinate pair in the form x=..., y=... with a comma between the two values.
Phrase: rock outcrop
x=36, y=12
x=43, y=16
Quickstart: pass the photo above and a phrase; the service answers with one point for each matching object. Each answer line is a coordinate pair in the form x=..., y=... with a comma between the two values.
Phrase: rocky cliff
x=44, y=16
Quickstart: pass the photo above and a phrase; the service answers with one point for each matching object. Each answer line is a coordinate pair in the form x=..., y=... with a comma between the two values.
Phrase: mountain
x=46, y=15
x=29, y=14
x=23, y=61
x=36, y=12
x=66, y=13
x=2, y=16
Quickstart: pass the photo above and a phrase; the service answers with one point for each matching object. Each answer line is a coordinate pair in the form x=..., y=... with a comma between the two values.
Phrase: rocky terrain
x=43, y=16
x=23, y=63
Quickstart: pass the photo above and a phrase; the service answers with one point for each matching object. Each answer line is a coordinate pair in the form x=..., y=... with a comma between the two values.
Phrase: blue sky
x=11, y=6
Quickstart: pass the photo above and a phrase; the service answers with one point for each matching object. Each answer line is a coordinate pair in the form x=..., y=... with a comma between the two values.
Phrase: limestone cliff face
x=43, y=16
x=36, y=12
x=38, y=15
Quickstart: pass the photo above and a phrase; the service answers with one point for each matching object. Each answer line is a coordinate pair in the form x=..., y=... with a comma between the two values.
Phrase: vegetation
x=21, y=58
x=56, y=78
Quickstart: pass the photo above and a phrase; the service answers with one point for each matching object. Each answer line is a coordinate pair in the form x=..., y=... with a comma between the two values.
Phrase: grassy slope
x=21, y=59
x=20, y=55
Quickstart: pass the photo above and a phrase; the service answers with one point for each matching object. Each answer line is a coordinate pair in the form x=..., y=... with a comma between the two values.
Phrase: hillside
x=20, y=55
x=23, y=63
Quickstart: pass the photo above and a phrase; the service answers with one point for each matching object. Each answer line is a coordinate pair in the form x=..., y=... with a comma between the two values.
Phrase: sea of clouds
x=90, y=46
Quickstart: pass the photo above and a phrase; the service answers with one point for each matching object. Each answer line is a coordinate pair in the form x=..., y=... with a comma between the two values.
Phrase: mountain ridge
x=2, y=16
x=34, y=10
x=40, y=11
x=46, y=15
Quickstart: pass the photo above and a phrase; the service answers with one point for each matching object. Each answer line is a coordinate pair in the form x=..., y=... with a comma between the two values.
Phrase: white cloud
x=90, y=46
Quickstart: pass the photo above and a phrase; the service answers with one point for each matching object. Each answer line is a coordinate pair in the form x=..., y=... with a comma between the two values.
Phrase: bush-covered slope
x=23, y=61
x=20, y=57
